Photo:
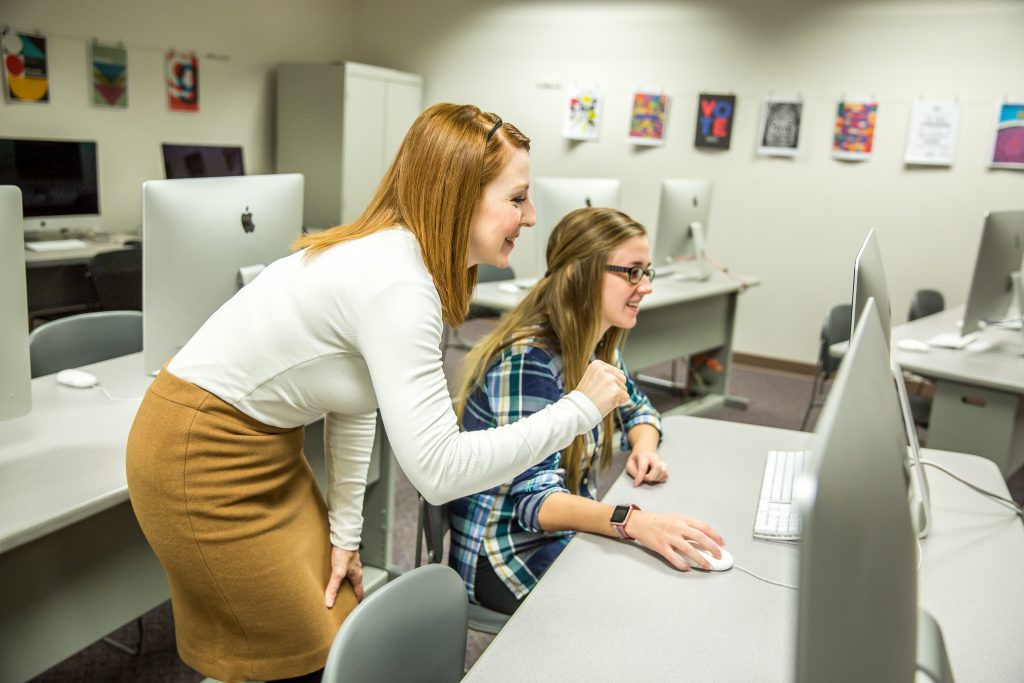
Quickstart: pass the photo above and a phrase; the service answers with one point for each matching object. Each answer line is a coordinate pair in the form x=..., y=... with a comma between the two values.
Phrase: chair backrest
x=926, y=302
x=117, y=278
x=411, y=629
x=834, y=329
x=82, y=339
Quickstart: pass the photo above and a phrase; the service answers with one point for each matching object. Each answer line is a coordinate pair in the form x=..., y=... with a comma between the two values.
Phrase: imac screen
x=202, y=161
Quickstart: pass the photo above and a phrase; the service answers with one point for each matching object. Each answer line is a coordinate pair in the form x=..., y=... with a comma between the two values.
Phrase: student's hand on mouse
x=668, y=535
x=646, y=466
x=604, y=385
x=345, y=564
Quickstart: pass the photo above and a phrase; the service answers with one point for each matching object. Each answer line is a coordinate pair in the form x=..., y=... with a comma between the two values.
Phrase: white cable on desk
x=113, y=398
x=774, y=583
x=999, y=499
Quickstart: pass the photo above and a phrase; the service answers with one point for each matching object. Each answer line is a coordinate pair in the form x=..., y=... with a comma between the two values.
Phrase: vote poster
x=715, y=114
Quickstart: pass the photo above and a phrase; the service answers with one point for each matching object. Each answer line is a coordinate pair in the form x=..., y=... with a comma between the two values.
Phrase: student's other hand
x=668, y=535
x=345, y=564
x=604, y=385
x=645, y=465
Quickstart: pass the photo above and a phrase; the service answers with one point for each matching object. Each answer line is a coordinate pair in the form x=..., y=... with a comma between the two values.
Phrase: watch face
x=620, y=514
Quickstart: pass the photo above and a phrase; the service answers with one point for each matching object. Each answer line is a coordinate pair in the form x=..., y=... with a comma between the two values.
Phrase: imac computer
x=553, y=198
x=59, y=183
x=858, y=618
x=999, y=255
x=201, y=161
x=15, y=372
x=679, y=243
x=205, y=238
x=870, y=283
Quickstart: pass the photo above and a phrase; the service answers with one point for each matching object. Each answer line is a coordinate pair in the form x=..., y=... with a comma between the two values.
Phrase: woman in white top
x=261, y=571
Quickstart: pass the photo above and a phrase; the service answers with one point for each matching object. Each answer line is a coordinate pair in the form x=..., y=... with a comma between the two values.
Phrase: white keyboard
x=777, y=518
x=55, y=245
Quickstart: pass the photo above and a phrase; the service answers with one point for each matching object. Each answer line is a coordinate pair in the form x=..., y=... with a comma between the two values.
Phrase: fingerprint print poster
x=854, y=132
x=1008, y=145
x=182, y=78
x=26, y=76
x=647, y=122
x=780, y=126
x=583, y=112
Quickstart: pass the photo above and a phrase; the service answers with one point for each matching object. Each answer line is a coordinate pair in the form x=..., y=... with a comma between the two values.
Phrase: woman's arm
x=668, y=535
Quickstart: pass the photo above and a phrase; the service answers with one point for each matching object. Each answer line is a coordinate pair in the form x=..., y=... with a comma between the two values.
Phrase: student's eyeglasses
x=633, y=273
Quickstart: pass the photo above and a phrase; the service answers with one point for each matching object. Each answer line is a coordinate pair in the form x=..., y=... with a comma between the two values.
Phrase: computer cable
x=113, y=398
x=761, y=578
x=1006, y=502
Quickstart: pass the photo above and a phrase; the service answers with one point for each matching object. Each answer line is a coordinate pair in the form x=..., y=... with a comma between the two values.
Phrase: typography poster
x=584, y=105
x=715, y=115
x=647, y=121
x=854, y=132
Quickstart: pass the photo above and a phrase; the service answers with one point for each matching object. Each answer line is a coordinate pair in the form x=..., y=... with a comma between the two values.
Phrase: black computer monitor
x=999, y=254
x=58, y=179
x=202, y=161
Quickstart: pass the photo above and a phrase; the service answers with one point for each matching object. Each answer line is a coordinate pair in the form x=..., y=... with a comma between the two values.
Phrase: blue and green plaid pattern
x=502, y=523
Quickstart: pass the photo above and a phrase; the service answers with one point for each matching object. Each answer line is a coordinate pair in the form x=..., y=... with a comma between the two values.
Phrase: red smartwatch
x=620, y=516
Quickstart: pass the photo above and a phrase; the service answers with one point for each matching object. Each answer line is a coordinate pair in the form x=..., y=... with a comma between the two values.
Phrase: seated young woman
x=503, y=539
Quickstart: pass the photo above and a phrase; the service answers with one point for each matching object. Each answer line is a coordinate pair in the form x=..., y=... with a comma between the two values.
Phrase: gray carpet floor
x=776, y=399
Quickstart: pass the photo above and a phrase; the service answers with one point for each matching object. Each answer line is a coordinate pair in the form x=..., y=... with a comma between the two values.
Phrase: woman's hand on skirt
x=345, y=564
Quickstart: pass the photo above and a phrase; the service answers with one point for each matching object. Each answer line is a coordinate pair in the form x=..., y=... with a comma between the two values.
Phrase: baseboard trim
x=792, y=367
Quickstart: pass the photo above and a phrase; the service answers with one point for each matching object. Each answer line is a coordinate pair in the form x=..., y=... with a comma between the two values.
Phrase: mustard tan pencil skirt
x=234, y=514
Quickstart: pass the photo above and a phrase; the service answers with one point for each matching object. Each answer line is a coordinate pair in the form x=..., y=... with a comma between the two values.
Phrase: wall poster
x=109, y=75
x=854, y=132
x=647, y=121
x=584, y=105
x=26, y=76
x=1008, y=142
x=931, y=139
x=715, y=115
x=780, y=126
x=182, y=78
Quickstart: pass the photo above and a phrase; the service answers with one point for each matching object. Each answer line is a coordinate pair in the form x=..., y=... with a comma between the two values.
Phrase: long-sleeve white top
x=355, y=329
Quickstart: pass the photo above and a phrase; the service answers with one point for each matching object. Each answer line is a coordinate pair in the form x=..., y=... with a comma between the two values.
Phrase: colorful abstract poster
x=25, y=70
x=931, y=139
x=584, y=106
x=1008, y=145
x=780, y=126
x=647, y=122
x=182, y=82
x=109, y=75
x=715, y=115
x=854, y=132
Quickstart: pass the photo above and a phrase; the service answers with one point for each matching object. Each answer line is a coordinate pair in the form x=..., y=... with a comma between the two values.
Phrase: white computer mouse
x=913, y=345
x=508, y=288
x=717, y=565
x=80, y=379
x=978, y=346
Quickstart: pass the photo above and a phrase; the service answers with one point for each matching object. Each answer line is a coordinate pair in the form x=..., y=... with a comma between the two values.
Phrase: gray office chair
x=83, y=339
x=835, y=328
x=484, y=273
x=411, y=629
x=431, y=528
x=117, y=278
x=925, y=302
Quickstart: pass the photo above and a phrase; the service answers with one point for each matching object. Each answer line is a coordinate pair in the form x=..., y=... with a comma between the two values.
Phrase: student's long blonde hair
x=563, y=314
x=432, y=188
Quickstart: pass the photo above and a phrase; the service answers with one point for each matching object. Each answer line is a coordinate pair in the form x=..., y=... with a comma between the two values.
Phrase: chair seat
x=486, y=620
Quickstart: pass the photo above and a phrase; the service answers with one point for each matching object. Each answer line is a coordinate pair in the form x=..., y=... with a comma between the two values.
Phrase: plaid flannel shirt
x=502, y=523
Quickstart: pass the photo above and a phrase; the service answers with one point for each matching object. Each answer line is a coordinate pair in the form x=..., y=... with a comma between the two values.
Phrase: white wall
x=797, y=223
x=236, y=94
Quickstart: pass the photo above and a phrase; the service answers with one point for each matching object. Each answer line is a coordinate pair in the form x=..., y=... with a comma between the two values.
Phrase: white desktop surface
x=605, y=611
x=96, y=245
x=59, y=463
x=1000, y=367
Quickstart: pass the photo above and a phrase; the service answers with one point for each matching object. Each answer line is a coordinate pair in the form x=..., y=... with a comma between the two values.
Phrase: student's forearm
x=644, y=437
x=567, y=512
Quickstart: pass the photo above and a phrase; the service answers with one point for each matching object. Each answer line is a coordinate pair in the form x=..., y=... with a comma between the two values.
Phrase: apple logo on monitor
x=247, y=223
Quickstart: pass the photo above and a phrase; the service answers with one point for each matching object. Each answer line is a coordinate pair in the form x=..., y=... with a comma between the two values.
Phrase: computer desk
x=74, y=564
x=609, y=611
x=680, y=318
x=976, y=407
